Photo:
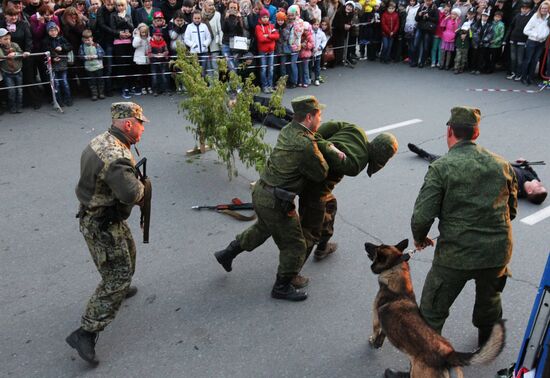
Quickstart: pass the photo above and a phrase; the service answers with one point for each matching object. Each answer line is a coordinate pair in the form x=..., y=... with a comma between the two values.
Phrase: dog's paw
x=376, y=341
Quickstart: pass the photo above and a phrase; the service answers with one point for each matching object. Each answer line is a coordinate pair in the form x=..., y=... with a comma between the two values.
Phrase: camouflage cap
x=381, y=149
x=303, y=105
x=464, y=116
x=122, y=110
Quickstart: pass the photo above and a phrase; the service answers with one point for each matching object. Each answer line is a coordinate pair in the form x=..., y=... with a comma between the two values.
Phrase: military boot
x=225, y=256
x=299, y=281
x=283, y=289
x=390, y=373
x=84, y=343
x=324, y=249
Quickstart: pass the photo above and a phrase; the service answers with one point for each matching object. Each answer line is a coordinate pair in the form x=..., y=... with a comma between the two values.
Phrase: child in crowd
x=390, y=26
x=198, y=38
x=59, y=48
x=140, y=42
x=462, y=45
x=10, y=67
x=282, y=47
x=176, y=31
x=266, y=37
x=495, y=49
x=374, y=33
x=517, y=40
x=444, y=11
x=482, y=35
x=450, y=25
x=325, y=28
x=399, y=40
x=319, y=42
x=187, y=9
x=158, y=56
x=92, y=53
x=306, y=52
x=159, y=22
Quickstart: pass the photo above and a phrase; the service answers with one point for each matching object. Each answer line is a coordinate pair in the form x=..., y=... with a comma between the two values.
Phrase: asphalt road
x=192, y=319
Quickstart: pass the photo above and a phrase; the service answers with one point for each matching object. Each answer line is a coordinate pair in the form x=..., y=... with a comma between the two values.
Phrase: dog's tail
x=487, y=353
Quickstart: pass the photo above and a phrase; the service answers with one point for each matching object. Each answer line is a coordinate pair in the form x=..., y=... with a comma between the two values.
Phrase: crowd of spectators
x=114, y=47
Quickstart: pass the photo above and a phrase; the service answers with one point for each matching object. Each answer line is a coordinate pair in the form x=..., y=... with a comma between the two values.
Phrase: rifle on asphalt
x=145, y=207
x=230, y=209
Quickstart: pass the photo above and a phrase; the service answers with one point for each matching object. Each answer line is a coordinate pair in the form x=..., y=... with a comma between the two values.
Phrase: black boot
x=422, y=153
x=226, y=256
x=132, y=290
x=84, y=343
x=283, y=289
x=390, y=373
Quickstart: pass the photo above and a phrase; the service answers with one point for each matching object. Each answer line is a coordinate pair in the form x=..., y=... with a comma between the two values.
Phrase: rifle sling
x=237, y=215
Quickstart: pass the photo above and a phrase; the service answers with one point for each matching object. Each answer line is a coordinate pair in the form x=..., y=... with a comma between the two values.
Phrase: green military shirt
x=473, y=192
x=348, y=138
x=294, y=159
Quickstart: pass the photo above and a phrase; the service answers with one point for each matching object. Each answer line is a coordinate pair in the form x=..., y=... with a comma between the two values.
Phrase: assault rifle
x=145, y=207
x=230, y=209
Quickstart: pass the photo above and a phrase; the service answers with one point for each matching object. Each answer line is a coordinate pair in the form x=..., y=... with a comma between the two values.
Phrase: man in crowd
x=294, y=160
x=107, y=191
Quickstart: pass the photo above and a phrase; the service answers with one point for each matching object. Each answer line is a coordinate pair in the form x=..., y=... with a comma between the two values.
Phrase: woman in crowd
x=121, y=23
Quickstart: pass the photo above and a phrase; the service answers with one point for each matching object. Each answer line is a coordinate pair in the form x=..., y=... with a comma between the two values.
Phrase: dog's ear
x=405, y=257
x=402, y=245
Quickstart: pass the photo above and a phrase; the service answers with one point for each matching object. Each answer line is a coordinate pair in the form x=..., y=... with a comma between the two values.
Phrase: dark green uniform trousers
x=283, y=226
x=114, y=253
x=443, y=285
x=318, y=210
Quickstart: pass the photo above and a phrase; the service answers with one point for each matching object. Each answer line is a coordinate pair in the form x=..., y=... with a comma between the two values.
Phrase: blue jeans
x=533, y=51
x=266, y=71
x=517, y=53
x=15, y=95
x=387, y=43
x=107, y=65
x=304, y=72
x=317, y=67
x=213, y=63
x=229, y=56
x=203, y=61
x=422, y=43
x=294, y=68
x=62, y=89
x=159, y=80
x=283, y=58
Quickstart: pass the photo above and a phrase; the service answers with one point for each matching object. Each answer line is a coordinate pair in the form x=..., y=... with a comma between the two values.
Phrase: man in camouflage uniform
x=107, y=190
x=318, y=206
x=473, y=193
x=294, y=160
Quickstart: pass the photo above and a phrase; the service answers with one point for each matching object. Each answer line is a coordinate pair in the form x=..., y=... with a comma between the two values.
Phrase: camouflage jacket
x=295, y=159
x=348, y=138
x=107, y=175
x=473, y=192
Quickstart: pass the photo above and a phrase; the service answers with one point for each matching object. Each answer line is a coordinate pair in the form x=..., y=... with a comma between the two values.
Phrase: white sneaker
x=143, y=91
x=511, y=77
x=317, y=83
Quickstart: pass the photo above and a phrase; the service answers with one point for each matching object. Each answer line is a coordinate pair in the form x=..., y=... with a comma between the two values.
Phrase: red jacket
x=266, y=36
x=390, y=23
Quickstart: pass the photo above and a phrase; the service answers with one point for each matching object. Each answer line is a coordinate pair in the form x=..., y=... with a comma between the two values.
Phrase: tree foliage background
x=219, y=111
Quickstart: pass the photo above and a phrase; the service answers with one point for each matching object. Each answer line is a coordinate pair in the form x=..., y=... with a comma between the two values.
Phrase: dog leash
x=412, y=251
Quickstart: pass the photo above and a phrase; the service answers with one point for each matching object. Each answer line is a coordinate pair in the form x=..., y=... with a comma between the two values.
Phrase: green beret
x=123, y=110
x=303, y=105
x=464, y=116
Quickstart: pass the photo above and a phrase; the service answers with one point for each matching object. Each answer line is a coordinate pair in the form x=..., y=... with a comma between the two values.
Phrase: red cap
x=264, y=12
x=158, y=14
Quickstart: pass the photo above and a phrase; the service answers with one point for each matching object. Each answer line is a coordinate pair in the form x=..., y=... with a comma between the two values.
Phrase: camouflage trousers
x=114, y=253
x=283, y=227
x=443, y=285
x=318, y=208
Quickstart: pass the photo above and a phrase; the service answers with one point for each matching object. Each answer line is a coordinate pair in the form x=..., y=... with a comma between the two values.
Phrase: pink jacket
x=449, y=27
x=308, y=43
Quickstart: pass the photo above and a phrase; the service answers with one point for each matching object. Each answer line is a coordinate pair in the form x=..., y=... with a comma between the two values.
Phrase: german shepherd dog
x=397, y=316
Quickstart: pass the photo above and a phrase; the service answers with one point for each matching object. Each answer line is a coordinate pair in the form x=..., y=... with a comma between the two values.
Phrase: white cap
x=3, y=32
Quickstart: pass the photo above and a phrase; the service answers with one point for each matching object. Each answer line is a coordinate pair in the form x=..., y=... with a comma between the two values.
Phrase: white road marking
x=394, y=126
x=537, y=217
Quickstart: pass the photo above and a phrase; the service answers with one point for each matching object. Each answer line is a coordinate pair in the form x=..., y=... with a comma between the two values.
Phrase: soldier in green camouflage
x=107, y=190
x=353, y=153
x=295, y=159
x=473, y=193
